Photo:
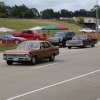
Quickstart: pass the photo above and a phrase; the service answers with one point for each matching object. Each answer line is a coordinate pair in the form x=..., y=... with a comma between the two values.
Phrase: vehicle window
x=69, y=34
x=34, y=31
x=89, y=37
x=79, y=38
x=21, y=46
x=59, y=34
x=42, y=46
x=30, y=32
x=32, y=45
x=73, y=33
x=28, y=46
x=25, y=31
x=46, y=45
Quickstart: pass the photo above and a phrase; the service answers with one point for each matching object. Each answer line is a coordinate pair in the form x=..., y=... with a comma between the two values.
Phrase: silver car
x=87, y=30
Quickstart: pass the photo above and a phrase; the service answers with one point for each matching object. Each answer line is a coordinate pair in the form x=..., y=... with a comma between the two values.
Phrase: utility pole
x=97, y=17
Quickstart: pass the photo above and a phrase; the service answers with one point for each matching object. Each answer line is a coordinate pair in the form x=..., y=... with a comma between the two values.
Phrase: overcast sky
x=56, y=5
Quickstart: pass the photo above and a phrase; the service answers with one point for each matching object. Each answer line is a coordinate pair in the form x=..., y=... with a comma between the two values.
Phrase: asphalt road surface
x=74, y=75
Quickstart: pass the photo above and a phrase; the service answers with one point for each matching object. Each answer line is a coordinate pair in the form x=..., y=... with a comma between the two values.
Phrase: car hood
x=54, y=38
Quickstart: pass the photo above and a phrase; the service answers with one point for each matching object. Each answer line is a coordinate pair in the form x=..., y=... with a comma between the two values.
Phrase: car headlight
x=60, y=39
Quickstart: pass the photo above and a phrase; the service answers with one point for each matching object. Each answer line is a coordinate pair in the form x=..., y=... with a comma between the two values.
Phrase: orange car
x=31, y=51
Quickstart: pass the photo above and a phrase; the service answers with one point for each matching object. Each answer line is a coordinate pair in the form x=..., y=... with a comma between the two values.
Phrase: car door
x=48, y=49
x=42, y=52
x=89, y=40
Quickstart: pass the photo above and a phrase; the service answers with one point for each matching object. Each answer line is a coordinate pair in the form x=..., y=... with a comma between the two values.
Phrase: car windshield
x=28, y=46
x=79, y=38
x=59, y=35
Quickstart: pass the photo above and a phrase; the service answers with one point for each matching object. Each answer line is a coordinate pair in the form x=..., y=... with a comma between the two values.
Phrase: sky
x=56, y=5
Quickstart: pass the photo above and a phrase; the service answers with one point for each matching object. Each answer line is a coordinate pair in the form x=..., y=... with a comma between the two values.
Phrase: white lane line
x=45, y=65
x=76, y=50
x=71, y=50
x=53, y=85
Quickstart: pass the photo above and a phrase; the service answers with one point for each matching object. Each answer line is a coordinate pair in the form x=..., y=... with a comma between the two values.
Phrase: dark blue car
x=11, y=39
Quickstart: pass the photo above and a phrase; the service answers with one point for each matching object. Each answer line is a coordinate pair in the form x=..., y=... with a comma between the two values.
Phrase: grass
x=19, y=25
x=3, y=48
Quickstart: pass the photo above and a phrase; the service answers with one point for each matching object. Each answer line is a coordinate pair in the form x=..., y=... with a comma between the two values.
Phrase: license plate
x=74, y=45
x=15, y=59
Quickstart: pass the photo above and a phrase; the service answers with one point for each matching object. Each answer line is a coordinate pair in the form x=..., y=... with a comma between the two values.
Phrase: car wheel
x=0, y=41
x=93, y=45
x=64, y=44
x=16, y=41
x=84, y=45
x=92, y=32
x=9, y=62
x=69, y=47
x=83, y=31
x=33, y=60
x=52, y=58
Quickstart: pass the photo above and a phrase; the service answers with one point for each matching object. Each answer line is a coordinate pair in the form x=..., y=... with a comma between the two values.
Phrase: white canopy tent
x=36, y=28
x=3, y=29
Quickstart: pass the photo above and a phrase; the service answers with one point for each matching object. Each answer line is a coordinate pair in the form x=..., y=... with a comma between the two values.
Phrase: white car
x=87, y=30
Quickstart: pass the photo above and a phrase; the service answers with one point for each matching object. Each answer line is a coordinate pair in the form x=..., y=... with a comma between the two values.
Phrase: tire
x=92, y=32
x=33, y=60
x=52, y=58
x=9, y=62
x=1, y=41
x=84, y=45
x=69, y=47
x=16, y=42
x=64, y=44
x=83, y=31
x=93, y=45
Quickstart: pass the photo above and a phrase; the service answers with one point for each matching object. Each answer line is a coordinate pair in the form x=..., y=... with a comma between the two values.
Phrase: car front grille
x=15, y=55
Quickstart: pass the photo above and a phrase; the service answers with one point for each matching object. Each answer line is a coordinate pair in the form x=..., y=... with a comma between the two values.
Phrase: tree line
x=23, y=11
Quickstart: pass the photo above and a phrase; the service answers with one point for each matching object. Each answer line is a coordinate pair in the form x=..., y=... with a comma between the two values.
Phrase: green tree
x=47, y=14
x=81, y=20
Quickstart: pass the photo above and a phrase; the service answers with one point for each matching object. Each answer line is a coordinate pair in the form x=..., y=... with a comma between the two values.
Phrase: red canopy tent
x=62, y=27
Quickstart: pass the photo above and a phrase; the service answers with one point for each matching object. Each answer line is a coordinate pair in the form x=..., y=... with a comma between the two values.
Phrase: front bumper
x=15, y=58
x=74, y=45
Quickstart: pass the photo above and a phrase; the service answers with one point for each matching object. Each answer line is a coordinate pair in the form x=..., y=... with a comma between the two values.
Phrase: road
x=74, y=75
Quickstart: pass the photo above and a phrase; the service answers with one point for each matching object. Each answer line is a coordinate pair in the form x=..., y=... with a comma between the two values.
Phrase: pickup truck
x=30, y=35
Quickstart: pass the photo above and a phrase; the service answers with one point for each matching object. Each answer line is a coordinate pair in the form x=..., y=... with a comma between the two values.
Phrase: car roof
x=34, y=41
x=81, y=35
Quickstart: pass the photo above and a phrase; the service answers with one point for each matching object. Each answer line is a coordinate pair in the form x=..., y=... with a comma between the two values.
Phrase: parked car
x=11, y=38
x=60, y=38
x=87, y=30
x=31, y=51
x=30, y=35
x=81, y=41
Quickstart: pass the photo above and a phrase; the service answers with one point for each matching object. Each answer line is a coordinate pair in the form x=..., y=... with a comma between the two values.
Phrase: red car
x=31, y=35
